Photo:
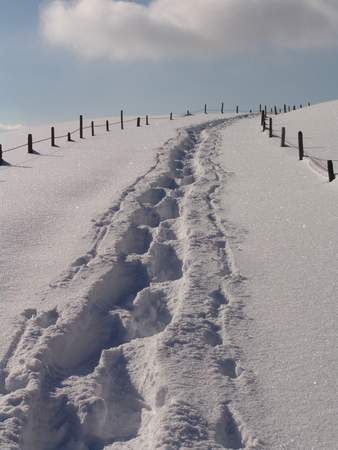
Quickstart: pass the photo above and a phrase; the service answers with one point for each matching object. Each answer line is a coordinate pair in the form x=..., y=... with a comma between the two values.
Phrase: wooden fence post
x=294, y=107
x=138, y=122
x=171, y=116
x=205, y=109
x=69, y=137
x=300, y=146
x=270, y=127
x=260, y=107
x=308, y=104
x=265, y=109
x=107, y=125
x=282, y=143
x=52, y=137
x=1, y=160
x=330, y=170
x=147, y=120
x=285, y=108
x=275, y=110
x=301, y=106
x=222, y=108
x=237, y=109
x=81, y=127
x=92, y=127
x=122, y=124
x=264, y=123
x=262, y=118
x=30, y=143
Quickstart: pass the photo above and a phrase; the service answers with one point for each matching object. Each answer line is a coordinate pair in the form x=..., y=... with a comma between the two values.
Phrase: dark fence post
x=30, y=143
x=300, y=146
x=262, y=118
x=1, y=160
x=205, y=109
x=264, y=123
x=270, y=127
x=301, y=106
x=52, y=137
x=308, y=104
x=138, y=122
x=147, y=120
x=171, y=116
x=275, y=110
x=282, y=143
x=122, y=125
x=237, y=109
x=81, y=127
x=222, y=108
x=294, y=107
x=93, y=128
x=107, y=125
x=69, y=137
x=285, y=108
x=265, y=109
x=289, y=108
x=330, y=170
x=260, y=107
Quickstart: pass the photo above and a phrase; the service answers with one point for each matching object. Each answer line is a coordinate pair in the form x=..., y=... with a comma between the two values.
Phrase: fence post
x=147, y=120
x=275, y=110
x=260, y=107
x=308, y=104
x=52, y=137
x=264, y=123
x=205, y=109
x=330, y=170
x=30, y=143
x=237, y=109
x=222, y=108
x=265, y=109
x=262, y=118
x=171, y=116
x=81, y=127
x=282, y=143
x=138, y=123
x=122, y=125
x=107, y=125
x=289, y=108
x=270, y=127
x=1, y=160
x=285, y=108
x=93, y=128
x=301, y=106
x=69, y=137
x=294, y=107
x=300, y=146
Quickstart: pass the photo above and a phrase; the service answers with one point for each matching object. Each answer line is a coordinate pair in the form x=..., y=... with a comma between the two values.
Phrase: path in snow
x=142, y=357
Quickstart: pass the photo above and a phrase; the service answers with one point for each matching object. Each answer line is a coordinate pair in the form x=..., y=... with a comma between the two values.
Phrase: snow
x=170, y=289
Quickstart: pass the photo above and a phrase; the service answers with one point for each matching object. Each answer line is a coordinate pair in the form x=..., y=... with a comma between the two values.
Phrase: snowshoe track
x=140, y=358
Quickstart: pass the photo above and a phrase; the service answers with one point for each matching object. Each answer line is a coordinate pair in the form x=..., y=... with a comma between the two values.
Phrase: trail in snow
x=142, y=356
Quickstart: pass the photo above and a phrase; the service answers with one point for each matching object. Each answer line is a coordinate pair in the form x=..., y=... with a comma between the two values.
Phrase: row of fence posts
x=53, y=138
x=264, y=117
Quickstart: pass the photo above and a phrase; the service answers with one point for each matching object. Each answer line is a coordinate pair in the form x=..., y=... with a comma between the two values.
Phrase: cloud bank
x=127, y=31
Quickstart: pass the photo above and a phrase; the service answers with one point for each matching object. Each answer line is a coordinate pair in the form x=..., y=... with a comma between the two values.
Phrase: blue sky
x=41, y=82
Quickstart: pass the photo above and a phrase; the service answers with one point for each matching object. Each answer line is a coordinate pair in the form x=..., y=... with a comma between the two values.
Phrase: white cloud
x=125, y=30
x=8, y=127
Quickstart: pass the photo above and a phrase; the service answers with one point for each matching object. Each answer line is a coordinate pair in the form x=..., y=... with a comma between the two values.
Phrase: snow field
x=140, y=356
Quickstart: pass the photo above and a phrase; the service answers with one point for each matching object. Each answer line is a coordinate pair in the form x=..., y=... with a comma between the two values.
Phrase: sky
x=62, y=58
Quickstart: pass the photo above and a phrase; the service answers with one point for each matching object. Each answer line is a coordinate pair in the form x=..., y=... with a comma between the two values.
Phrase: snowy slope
x=54, y=205
x=282, y=221
x=199, y=309
x=139, y=356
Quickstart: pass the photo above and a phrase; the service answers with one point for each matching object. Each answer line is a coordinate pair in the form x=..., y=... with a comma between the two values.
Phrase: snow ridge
x=141, y=357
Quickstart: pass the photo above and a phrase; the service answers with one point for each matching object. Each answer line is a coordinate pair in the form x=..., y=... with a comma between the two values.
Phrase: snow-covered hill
x=165, y=289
